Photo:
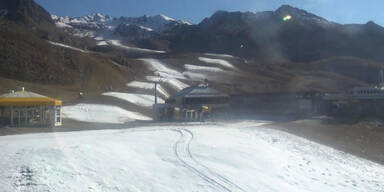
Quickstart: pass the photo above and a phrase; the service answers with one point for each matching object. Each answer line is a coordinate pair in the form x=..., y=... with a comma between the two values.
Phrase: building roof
x=22, y=94
x=198, y=92
x=26, y=98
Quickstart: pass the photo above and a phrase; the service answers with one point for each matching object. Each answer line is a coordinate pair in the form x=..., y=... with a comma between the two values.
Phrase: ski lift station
x=195, y=103
x=27, y=109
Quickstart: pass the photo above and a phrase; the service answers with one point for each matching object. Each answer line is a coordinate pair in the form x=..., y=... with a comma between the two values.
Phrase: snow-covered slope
x=148, y=86
x=197, y=68
x=128, y=49
x=237, y=157
x=100, y=26
x=219, y=55
x=219, y=62
x=96, y=113
x=161, y=68
x=137, y=99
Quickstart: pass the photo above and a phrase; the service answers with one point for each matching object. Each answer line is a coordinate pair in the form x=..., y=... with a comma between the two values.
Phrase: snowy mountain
x=100, y=26
x=158, y=23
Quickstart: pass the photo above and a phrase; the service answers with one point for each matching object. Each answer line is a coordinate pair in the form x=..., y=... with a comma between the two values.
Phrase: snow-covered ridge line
x=67, y=46
x=100, y=25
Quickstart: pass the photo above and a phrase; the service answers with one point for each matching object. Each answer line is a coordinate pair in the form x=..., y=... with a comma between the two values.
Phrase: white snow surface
x=97, y=113
x=243, y=157
x=166, y=18
x=219, y=55
x=141, y=85
x=137, y=99
x=67, y=46
x=161, y=68
x=102, y=43
x=199, y=73
x=174, y=83
x=149, y=86
x=198, y=68
x=196, y=75
x=167, y=75
x=220, y=62
x=101, y=25
x=117, y=43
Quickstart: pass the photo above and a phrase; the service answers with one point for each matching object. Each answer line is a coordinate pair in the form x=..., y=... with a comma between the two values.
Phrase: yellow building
x=25, y=109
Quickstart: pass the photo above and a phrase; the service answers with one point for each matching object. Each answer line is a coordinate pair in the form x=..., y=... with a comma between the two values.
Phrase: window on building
x=58, y=115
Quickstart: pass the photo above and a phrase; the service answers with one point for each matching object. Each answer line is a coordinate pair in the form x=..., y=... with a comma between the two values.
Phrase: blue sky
x=343, y=11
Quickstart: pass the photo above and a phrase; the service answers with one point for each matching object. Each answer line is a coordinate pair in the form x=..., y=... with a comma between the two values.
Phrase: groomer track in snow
x=184, y=154
x=243, y=156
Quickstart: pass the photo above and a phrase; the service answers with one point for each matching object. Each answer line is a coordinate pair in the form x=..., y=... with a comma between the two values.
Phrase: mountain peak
x=371, y=23
x=297, y=13
x=287, y=8
x=165, y=17
x=26, y=11
x=97, y=17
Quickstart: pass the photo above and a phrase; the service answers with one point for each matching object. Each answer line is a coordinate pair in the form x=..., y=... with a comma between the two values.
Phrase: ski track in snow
x=183, y=153
x=244, y=156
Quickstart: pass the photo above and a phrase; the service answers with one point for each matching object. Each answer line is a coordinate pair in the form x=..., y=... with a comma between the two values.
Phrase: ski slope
x=137, y=99
x=197, y=68
x=160, y=68
x=148, y=86
x=96, y=113
x=222, y=157
x=176, y=84
x=220, y=62
x=219, y=55
x=117, y=43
